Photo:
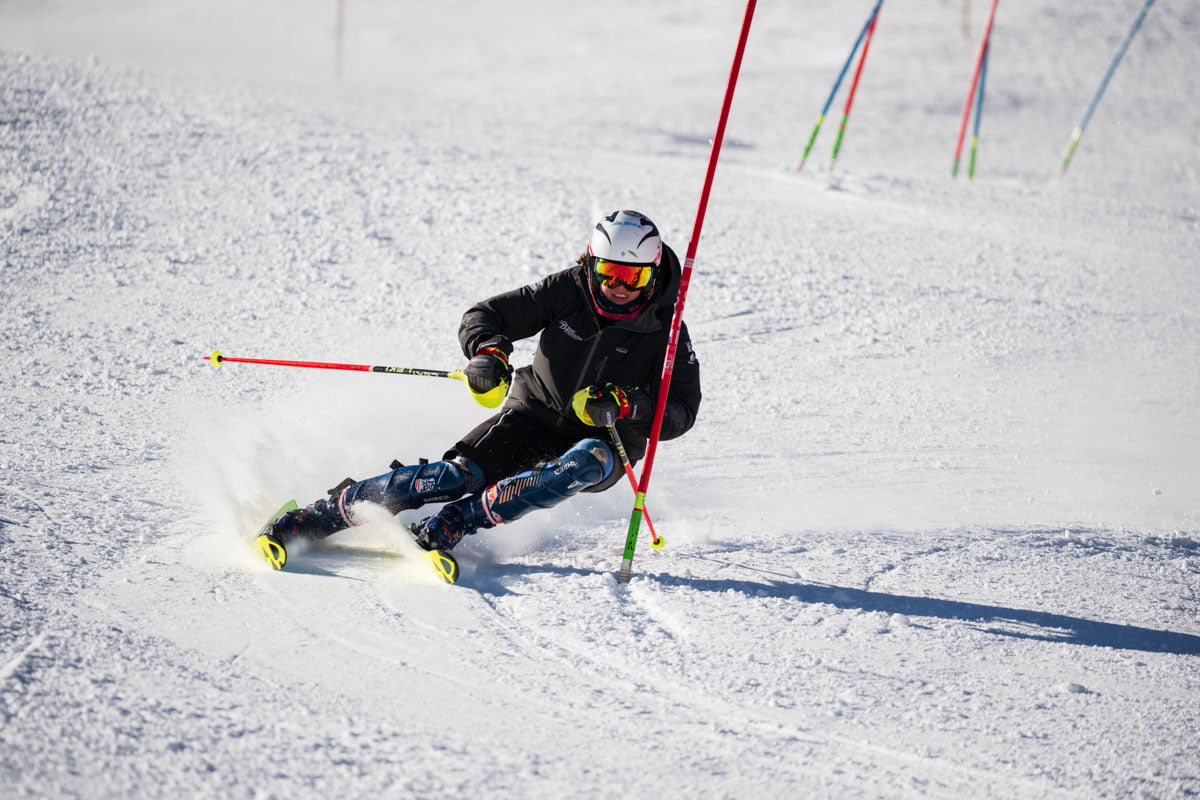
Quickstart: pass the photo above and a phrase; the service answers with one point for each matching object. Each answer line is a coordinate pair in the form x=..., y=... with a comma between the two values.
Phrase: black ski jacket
x=578, y=348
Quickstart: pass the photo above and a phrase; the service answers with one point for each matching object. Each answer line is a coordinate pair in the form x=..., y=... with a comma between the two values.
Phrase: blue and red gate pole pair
x=864, y=38
x=978, y=77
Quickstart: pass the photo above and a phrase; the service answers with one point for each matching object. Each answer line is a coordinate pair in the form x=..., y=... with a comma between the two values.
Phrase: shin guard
x=412, y=486
x=586, y=464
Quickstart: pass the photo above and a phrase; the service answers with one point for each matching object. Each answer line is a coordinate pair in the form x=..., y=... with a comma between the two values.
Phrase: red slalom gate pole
x=639, y=502
x=983, y=46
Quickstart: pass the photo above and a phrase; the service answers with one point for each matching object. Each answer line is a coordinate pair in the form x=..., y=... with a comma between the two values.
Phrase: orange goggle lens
x=610, y=273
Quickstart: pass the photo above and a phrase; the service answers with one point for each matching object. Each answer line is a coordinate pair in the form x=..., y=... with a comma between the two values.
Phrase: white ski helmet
x=628, y=237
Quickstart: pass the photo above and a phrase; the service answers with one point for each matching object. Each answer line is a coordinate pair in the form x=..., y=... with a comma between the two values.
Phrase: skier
x=604, y=325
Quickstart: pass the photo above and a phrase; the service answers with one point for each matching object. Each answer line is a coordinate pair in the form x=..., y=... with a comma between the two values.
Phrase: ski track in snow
x=935, y=534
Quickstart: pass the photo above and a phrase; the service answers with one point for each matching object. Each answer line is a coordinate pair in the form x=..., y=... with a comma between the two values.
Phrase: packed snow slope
x=935, y=533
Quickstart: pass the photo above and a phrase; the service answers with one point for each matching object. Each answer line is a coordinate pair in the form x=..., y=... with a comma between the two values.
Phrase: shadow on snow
x=999, y=620
x=1018, y=623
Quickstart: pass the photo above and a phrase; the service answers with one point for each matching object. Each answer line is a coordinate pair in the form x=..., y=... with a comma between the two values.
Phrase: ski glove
x=604, y=405
x=488, y=375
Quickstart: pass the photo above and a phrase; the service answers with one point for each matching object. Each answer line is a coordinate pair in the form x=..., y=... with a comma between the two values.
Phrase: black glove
x=604, y=405
x=487, y=370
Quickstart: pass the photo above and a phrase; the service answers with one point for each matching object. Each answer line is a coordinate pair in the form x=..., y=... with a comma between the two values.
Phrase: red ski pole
x=673, y=341
x=656, y=541
x=490, y=399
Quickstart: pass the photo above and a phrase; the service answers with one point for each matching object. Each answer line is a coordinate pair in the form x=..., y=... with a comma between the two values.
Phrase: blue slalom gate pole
x=978, y=110
x=837, y=84
x=1077, y=134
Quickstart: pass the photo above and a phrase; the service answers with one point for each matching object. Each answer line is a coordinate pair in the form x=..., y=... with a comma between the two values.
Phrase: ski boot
x=292, y=523
x=400, y=488
x=438, y=534
x=447, y=527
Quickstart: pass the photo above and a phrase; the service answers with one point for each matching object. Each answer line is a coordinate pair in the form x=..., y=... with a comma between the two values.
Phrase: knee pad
x=601, y=457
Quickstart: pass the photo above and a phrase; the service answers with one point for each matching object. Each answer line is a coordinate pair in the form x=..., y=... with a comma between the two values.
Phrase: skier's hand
x=604, y=405
x=488, y=370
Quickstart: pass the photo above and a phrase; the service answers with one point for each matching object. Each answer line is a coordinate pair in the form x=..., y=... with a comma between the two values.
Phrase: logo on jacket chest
x=566, y=328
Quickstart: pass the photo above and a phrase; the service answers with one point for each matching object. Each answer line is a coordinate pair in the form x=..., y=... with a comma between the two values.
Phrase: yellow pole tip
x=215, y=358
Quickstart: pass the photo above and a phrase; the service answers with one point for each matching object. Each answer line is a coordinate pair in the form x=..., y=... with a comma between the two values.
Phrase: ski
x=271, y=547
x=274, y=552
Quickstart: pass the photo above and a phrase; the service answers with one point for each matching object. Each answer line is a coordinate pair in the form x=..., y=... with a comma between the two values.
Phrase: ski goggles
x=631, y=276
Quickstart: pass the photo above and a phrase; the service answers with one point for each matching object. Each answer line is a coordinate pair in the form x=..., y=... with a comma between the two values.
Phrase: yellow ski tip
x=271, y=550
x=443, y=564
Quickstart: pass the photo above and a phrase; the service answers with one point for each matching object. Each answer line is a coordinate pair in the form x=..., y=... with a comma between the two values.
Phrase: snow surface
x=935, y=534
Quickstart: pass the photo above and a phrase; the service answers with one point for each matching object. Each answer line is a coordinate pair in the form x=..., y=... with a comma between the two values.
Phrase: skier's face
x=619, y=294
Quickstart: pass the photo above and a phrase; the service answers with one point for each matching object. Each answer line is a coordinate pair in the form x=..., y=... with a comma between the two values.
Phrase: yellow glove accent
x=579, y=401
x=489, y=399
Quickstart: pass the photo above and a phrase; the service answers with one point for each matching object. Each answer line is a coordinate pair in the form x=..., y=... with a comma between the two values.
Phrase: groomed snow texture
x=935, y=534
